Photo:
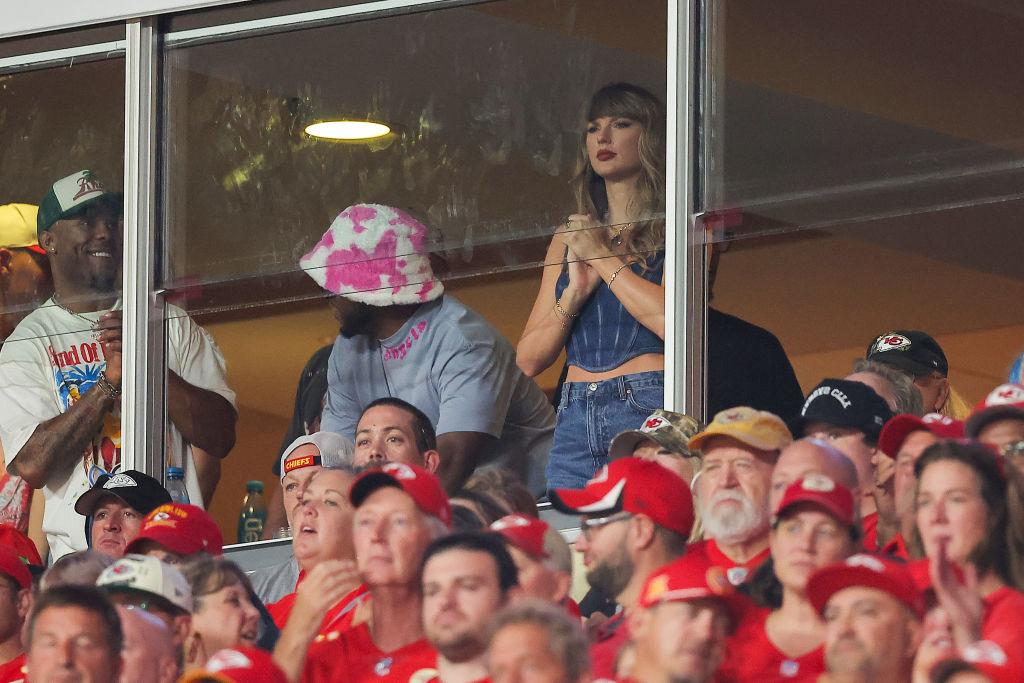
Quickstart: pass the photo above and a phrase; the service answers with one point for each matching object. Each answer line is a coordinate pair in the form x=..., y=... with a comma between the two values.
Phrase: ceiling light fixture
x=347, y=130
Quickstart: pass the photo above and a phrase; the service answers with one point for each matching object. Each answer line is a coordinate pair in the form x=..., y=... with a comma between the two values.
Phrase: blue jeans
x=589, y=416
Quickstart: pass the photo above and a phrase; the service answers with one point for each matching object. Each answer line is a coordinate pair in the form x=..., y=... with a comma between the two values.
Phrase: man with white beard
x=740, y=448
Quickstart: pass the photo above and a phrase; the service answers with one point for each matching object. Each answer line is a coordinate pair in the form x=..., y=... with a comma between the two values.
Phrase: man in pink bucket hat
x=401, y=336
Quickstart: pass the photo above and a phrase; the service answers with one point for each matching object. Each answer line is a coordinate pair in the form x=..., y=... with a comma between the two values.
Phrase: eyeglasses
x=589, y=526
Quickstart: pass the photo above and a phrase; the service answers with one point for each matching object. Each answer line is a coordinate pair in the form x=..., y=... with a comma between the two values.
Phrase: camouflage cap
x=669, y=430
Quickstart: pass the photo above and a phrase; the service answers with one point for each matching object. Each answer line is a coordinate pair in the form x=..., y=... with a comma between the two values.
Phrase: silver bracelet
x=106, y=387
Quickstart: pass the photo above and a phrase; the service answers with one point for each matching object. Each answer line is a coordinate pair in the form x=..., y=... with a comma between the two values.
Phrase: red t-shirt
x=751, y=656
x=736, y=572
x=608, y=640
x=870, y=525
x=337, y=618
x=351, y=656
x=14, y=670
x=1003, y=619
x=897, y=548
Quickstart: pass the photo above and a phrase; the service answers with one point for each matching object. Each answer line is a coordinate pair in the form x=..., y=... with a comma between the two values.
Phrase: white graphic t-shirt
x=50, y=360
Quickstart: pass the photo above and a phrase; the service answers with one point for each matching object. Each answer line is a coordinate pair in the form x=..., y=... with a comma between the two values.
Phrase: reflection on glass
x=871, y=183
x=484, y=104
x=486, y=109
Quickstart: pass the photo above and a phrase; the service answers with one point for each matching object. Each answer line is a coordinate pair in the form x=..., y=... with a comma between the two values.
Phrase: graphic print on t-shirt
x=76, y=369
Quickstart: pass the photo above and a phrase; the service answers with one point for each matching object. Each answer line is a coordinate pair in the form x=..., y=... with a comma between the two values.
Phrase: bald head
x=149, y=655
x=806, y=456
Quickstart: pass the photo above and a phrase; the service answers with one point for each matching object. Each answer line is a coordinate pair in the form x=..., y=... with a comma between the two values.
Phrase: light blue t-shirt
x=460, y=371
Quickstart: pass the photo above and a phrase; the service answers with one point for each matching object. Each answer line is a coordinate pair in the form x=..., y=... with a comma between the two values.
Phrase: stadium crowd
x=870, y=531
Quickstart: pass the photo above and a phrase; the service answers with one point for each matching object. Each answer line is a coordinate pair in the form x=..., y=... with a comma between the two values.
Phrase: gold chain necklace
x=617, y=237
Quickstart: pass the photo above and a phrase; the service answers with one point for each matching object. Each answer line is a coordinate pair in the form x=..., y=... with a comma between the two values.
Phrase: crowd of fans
x=873, y=532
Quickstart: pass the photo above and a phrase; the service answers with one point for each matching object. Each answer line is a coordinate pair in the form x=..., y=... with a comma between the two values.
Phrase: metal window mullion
x=142, y=405
x=685, y=271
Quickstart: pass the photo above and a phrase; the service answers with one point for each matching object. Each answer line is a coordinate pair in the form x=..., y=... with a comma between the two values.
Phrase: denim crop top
x=605, y=335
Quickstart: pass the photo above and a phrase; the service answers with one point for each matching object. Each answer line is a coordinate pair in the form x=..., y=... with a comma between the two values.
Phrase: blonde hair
x=636, y=103
x=955, y=405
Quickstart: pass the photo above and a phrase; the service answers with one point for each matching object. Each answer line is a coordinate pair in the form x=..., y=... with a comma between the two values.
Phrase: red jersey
x=896, y=548
x=870, y=525
x=751, y=656
x=14, y=670
x=736, y=572
x=1003, y=619
x=351, y=656
x=338, y=617
x=608, y=640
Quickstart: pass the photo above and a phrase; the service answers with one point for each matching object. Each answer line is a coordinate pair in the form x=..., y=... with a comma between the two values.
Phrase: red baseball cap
x=21, y=544
x=12, y=565
x=896, y=430
x=822, y=491
x=524, y=532
x=1005, y=401
x=635, y=485
x=869, y=571
x=182, y=528
x=238, y=665
x=424, y=488
x=693, y=577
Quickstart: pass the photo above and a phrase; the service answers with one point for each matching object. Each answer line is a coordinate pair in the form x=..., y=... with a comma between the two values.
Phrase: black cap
x=845, y=403
x=140, y=491
x=912, y=351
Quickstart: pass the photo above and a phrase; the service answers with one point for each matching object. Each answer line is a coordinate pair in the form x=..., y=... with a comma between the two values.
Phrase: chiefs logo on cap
x=305, y=461
x=817, y=482
x=891, y=342
x=653, y=423
x=1005, y=394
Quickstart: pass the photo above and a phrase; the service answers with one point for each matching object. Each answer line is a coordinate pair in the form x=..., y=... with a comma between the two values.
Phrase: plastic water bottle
x=254, y=513
x=176, y=485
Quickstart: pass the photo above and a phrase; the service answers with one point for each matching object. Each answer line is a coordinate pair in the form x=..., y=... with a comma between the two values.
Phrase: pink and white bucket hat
x=376, y=255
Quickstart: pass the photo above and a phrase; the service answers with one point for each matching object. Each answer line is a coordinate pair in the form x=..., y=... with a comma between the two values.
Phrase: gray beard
x=737, y=527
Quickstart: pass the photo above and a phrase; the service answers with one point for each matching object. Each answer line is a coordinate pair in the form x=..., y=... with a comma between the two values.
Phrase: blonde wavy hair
x=632, y=102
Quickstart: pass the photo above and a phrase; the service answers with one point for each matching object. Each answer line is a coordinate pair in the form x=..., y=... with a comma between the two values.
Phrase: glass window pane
x=486, y=104
x=58, y=117
x=868, y=169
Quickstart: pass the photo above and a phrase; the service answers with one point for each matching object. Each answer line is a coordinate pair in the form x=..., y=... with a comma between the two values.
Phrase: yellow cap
x=758, y=428
x=18, y=226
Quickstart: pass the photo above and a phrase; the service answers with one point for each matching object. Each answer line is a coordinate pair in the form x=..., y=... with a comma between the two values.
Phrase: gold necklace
x=617, y=237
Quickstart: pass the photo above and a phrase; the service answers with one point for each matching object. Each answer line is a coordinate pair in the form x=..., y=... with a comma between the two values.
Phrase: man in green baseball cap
x=80, y=226
x=61, y=368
